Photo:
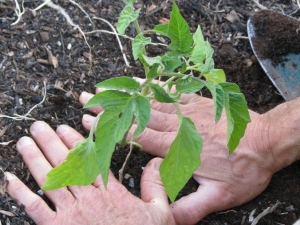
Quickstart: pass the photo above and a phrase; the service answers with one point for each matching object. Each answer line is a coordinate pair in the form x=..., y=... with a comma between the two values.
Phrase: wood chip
x=7, y=213
x=52, y=59
x=2, y=132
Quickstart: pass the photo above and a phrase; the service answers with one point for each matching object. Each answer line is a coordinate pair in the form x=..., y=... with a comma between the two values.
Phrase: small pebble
x=69, y=46
x=131, y=182
x=40, y=192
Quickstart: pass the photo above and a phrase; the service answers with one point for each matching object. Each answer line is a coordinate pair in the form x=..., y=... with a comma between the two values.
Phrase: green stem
x=172, y=74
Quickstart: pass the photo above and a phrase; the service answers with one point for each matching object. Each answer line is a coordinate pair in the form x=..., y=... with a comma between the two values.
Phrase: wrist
x=279, y=133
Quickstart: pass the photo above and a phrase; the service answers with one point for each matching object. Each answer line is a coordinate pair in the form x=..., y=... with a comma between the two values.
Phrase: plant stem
x=172, y=74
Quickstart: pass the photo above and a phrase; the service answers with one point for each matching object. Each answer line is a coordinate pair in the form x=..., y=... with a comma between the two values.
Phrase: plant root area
x=43, y=50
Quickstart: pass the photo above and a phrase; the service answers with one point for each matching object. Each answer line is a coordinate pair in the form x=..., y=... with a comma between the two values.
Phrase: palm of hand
x=225, y=180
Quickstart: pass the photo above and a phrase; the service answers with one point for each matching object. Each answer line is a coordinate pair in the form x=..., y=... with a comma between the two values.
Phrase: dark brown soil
x=25, y=65
x=268, y=40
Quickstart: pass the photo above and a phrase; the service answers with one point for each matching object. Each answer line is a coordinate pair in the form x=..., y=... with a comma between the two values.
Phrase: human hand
x=225, y=180
x=91, y=204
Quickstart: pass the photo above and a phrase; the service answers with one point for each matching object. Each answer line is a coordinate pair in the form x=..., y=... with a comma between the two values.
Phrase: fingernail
x=25, y=141
x=9, y=176
x=157, y=163
x=100, y=90
x=62, y=130
x=37, y=127
x=85, y=96
x=88, y=119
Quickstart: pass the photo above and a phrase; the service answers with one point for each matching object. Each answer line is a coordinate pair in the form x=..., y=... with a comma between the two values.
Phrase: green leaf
x=81, y=167
x=171, y=61
x=215, y=75
x=120, y=83
x=182, y=159
x=127, y=16
x=152, y=72
x=179, y=32
x=138, y=45
x=209, y=62
x=188, y=85
x=108, y=99
x=218, y=97
x=150, y=61
x=142, y=113
x=237, y=114
x=88, y=159
x=105, y=138
x=199, y=50
x=160, y=94
x=162, y=29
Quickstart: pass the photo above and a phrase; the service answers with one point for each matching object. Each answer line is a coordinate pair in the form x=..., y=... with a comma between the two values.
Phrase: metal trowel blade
x=286, y=75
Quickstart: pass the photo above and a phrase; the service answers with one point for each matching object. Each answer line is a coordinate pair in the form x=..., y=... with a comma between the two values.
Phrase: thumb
x=152, y=188
x=195, y=206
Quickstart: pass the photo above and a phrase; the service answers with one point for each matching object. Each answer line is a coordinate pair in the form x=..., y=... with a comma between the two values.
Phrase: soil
x=267, y=28
x=25, y=64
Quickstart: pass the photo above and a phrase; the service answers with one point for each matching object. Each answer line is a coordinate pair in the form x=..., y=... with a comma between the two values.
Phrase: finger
x=69, y=136
x=88, y=121
x=34, y=205
x=194, y=207
x=154, y=142
x=148, y=139
x=84, y=98
x=153, y=191
x=39, y=167
x=159, y=121
x=151, y=183
x=163, y=122
x=49, y=142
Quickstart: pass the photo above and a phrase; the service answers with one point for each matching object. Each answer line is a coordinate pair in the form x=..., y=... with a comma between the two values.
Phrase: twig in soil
x=75, y=3
x=18, y=11
x=265, y=212
x=25, y=117
x=121, y=171
x=5, y=143
x=117, y=36
x=260, y=5
x=69, y=20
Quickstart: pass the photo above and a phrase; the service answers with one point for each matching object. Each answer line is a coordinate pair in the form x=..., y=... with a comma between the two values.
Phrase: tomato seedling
x=188, y=66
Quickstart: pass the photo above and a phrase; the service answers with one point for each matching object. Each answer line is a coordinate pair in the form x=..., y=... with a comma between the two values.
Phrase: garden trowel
x=275, y=40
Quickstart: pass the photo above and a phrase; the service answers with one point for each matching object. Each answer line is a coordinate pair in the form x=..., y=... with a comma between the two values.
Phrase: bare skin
x=91, y=204
x=271, y=142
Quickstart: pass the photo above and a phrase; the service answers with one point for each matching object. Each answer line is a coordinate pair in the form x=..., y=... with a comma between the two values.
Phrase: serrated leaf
x=127, y=16
x=188, y=85
x=182, y=159
x=142, y=114
x=120, y=83
x=108, y=99
x=160, y=94
x=237, y=114
x=162, y=29
x=152, y=72
x=171, y=61
x=179, y=32
x=150, y=61
x=215, y=75
x=199, y=50
x=138, y=45
x=218, y=98
x=81, y=167
x=89, y=159
x=209, y=62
